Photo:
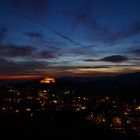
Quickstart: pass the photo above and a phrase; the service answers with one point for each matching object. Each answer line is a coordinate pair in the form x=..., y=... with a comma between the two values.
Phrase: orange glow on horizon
x=19, y=76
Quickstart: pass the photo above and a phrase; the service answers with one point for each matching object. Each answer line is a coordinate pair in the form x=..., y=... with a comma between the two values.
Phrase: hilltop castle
x=48, y=80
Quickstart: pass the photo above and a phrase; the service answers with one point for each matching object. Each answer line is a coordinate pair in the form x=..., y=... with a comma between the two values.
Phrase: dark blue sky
x=69, y=37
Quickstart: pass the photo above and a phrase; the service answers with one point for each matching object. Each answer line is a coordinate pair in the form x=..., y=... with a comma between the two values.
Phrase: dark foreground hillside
x=89, y=108
x=124, y=85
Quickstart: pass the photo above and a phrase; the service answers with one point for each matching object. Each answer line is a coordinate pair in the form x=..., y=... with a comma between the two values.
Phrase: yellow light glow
x=83, y=107
x=28, y=109
x=138, y=108
x=55, y=101
x=17, y=111
x=125, y=113
x=117, y=121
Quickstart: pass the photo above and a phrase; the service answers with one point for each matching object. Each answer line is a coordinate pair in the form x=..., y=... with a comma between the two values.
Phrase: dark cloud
x=34, y=35
x=81, y=15
x=3, y=31
x=115, y=58
x=128, y=31
x=51, y=46
x=16, y=68
x=29, y=52
x=85, y=17
x=47, y=54
x=94, y=67
x=112, y=58
x=94, y=28
x=16, y=51
x=31, y=8
x=37, y=38
x=135, y=52
x=97, y=30
x=50, y=52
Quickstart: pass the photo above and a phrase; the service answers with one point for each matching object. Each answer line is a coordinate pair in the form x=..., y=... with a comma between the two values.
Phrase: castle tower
x=47, y=80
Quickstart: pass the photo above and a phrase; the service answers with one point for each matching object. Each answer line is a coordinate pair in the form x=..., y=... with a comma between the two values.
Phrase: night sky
x=69, y=37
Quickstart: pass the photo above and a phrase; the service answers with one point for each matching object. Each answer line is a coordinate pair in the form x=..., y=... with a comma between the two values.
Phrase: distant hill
x=126, y=84
x=12, y=81
x=123, y=84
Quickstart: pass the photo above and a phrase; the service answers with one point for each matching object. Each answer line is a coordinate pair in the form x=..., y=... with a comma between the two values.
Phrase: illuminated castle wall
x=48, y=80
